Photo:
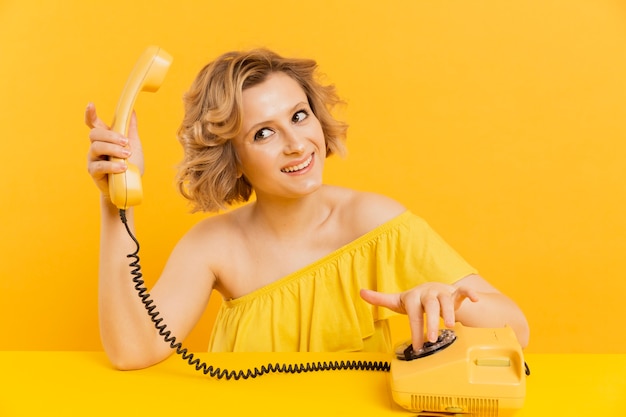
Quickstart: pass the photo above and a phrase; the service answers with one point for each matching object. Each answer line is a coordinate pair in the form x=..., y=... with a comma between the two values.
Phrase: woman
x=303, y=267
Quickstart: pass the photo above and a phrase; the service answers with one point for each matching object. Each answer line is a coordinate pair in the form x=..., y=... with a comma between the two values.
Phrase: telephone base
x=480, y=373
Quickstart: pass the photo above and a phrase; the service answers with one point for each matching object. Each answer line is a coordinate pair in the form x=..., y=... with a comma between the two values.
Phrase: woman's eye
x=263, y=134
x=299, y=116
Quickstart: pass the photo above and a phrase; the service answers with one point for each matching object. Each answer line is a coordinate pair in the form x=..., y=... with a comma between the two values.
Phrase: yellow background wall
x=501, y=122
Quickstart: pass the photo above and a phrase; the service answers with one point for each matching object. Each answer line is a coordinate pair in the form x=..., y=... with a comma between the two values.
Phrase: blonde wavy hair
x=208, y=175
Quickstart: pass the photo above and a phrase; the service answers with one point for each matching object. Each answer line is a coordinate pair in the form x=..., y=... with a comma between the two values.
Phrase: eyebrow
x=292, y=110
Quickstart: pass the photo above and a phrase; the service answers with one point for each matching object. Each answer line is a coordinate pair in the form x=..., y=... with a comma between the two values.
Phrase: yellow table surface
x=84, y=384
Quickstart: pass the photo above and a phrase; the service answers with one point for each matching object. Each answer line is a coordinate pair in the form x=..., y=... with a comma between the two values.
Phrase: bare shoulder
x=208, y=243
x=365, y=211
x=212, y=232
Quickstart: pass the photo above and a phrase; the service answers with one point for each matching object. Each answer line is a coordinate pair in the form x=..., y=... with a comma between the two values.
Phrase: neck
x=291, y=218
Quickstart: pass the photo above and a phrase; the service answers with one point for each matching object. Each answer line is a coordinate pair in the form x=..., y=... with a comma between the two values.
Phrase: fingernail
x=126, y=152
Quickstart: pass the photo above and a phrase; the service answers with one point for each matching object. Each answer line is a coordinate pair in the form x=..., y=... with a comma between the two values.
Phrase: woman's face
x=281, y=146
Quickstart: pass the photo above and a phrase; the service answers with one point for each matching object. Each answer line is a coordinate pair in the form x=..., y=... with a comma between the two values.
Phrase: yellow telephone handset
x=148, y=74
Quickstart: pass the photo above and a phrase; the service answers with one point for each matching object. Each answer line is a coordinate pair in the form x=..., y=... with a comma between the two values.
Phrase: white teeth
x=299, y=166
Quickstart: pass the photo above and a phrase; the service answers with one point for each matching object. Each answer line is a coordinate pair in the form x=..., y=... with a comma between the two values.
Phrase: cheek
x=251, y=163
x=323, y=145
x=317, y=132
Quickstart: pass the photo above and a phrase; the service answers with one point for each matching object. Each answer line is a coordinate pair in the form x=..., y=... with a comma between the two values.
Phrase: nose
x=294, y=143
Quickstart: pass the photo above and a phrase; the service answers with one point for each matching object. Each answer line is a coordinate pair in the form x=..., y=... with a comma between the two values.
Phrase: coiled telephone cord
x=219, y=373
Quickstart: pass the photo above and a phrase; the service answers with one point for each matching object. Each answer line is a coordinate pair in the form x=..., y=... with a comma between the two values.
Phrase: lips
x=300, y=166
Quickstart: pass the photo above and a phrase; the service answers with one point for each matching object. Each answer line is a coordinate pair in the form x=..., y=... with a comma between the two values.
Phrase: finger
x=471, y=294
x=99, y=169
x=105, y=135
x=390, y=301
x=447, y=306
x=415, y=314
x=103, y=150
x=432, y=309
x=91, y=118
x=461, y=293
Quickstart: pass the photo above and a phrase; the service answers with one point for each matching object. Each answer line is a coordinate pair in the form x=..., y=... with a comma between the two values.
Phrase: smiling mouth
x=299, y=167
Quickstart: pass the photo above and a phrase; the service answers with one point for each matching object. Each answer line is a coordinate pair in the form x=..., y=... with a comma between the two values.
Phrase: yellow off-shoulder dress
x=318, y=308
